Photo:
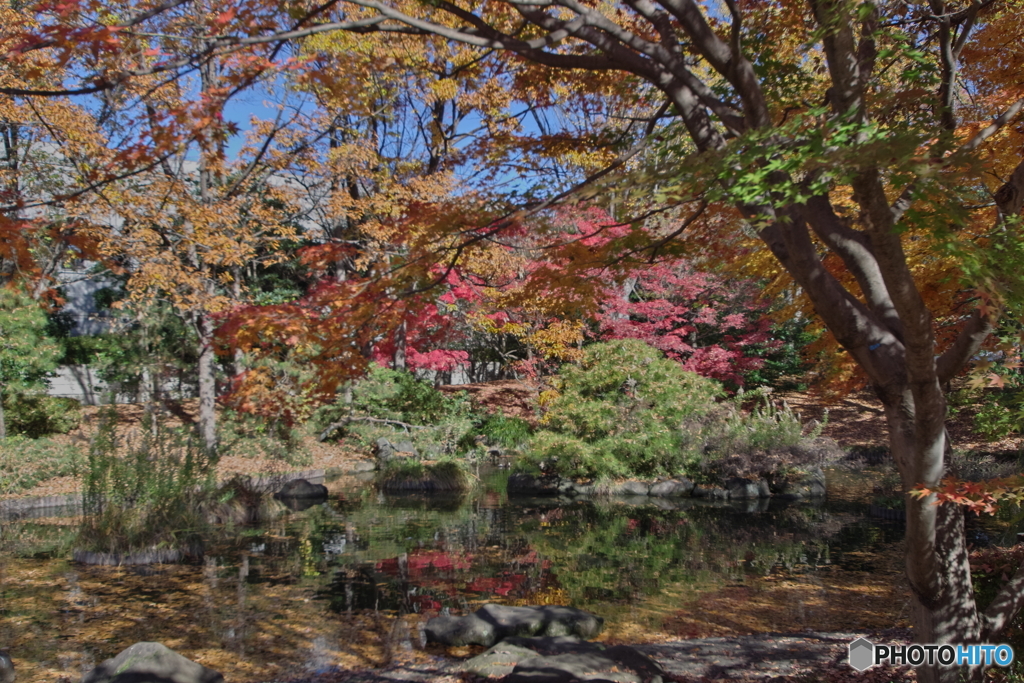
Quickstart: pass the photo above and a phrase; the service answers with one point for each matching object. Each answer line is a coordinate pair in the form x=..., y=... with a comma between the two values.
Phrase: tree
x=866, y=146
x=27, y=355
x=799, y=120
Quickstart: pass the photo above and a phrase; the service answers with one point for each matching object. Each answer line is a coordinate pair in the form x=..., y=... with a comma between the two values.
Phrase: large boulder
x=151, y=663
x=743, y=489
x=493, y=623
x=680, y=487
x=630, y=488
x=563, y=660
x=387, y=451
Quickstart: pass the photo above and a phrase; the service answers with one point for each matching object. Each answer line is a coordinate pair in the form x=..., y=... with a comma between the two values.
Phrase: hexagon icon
x=862, y=654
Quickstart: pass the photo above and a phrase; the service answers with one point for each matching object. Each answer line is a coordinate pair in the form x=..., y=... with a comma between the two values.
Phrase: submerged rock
x=493, y=623
x=151, y=663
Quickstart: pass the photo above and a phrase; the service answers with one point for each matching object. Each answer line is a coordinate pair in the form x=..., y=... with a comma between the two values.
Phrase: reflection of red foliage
x=529, y=558
x=499, y=585
x=422, y=561
x=423, y=603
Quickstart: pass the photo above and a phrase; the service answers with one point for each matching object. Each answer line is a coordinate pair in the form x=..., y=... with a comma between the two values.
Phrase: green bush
x=504, y=431
x=397, y=406
x=764, y=427
x=410, y=475
x=26, y=462
x=36, y=415
x=626, y=411
x=619, y=413
x=249, y=436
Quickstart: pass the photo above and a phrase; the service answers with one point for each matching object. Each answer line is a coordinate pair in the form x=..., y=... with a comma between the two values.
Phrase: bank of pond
x=350, y=578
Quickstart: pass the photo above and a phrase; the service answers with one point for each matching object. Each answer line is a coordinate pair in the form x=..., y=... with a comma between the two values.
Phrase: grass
x=25, y=462
x=409, y=474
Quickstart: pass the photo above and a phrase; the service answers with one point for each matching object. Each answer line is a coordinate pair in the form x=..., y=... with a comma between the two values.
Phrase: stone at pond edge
x=714, y=493
x=151, y=663
x=7, y=674
x=302, y=488
x=523, y=484
x=563, y=659
x=387, y=451
x=630, y=488
x=672, y=487
x=739, y=488
x=811, y=485
x=493, y=623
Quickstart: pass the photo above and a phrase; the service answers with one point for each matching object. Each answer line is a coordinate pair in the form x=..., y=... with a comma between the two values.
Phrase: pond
x=351, y=582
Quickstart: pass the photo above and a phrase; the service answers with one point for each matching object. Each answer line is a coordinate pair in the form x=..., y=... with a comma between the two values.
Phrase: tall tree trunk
x=937, y=563
x=3, y=418
x=400, y=347
x=207, y=385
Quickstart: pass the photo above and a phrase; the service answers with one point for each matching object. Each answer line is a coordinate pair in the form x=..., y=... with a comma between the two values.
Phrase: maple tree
x=850, y=177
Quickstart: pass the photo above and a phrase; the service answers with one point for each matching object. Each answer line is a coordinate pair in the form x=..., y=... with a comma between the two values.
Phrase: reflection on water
x=350, y=583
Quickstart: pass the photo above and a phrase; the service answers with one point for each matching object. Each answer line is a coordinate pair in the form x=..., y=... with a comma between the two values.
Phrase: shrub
x=508, y=432
x=619, y=413
x=409, y=475
x=36, y=415
x=765, y=427
x=147, y=494
x=26, y=462
x=249, y=436
x=392, y=404
x=626, y=411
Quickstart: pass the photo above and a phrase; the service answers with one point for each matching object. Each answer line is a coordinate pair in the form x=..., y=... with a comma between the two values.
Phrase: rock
x=810, y=485
x=151, y=663
x=522, y=484
x=742, y=489
x=630, y=488
x=406, y=449
x=384, y=451
x=561, y=660
x=499, y=660
x=672, y=488
x=714, y=493
x=579, y=489
x=7, y=668
x=302, y=488
x=492, y=623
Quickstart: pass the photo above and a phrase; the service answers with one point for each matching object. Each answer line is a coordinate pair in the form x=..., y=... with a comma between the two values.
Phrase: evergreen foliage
x=627, y=411
x=27, y=354
x=395, y=405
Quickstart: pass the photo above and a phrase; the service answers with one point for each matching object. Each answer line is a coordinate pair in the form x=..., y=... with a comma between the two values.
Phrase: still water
x=351, y=582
